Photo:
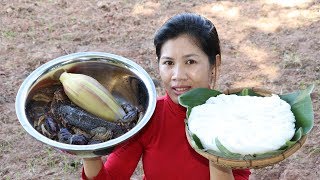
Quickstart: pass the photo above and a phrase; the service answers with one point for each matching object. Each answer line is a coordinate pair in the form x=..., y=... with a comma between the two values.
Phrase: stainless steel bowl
x=126, y=80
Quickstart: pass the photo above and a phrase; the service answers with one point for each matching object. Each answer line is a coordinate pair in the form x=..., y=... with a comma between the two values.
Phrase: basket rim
x=261, y=91
x=250, y=163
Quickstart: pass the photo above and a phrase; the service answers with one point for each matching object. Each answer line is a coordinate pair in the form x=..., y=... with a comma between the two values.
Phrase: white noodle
x=243, y=124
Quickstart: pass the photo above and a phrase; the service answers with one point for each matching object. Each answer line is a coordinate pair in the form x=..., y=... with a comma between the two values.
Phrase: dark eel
x=79, y=118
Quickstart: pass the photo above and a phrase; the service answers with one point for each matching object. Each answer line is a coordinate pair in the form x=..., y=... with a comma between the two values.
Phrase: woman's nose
x=179, y=73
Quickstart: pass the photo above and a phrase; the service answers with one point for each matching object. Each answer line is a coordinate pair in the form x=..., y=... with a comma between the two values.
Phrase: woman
x=188, y=52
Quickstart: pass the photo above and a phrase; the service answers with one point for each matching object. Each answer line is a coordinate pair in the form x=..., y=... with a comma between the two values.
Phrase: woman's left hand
x=219, y=172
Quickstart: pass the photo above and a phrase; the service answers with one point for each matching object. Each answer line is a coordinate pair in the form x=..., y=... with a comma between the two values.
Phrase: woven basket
x=251, y=164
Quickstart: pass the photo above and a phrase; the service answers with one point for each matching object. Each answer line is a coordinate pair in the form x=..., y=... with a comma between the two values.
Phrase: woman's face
x=183, y=66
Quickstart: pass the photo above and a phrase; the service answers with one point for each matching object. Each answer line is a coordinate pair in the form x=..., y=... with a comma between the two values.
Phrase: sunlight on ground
x=288, y=3
x=231, y=13
x=222, y=9
x=255, y=54
x=247, y=83
x=145, y=8
x=264, y=24
x=259, y=57
x=268, y=19
x=270, y=71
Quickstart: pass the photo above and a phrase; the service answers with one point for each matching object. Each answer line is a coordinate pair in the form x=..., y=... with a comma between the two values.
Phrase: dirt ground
x=264, y=44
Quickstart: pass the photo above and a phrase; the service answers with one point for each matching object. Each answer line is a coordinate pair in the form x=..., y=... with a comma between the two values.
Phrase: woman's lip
x=178, y=90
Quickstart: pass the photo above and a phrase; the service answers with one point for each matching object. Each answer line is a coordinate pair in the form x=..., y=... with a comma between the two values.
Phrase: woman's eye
x=168, y=63
x=191, y=61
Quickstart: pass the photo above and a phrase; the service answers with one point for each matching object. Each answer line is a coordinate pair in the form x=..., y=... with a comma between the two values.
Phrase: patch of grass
x=67, y=37
x=302, y=85
x=32, y=163
x=71, y=165
x=8, y=34
x=52, y=160
x=317, y=82
x=50, y=28
x=5, y=146
x=32, y=33
x=315, y=151
x=68, y=165
x=74, y=19
x=291, y=60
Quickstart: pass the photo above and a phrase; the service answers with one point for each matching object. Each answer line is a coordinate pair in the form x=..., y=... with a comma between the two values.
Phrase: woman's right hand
x=92, y=166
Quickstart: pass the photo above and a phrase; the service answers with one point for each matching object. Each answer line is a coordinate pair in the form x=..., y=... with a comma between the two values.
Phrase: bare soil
x=264, y=44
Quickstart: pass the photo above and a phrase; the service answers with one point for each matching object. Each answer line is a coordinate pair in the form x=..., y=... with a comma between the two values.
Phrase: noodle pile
x=243, y=124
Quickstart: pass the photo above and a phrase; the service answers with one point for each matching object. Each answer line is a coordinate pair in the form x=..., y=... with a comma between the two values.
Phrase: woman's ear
x=215, y=71
x=217, y=66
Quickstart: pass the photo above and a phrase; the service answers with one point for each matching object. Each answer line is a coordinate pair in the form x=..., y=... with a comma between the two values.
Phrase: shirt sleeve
x=241, y=174
x=122, y=162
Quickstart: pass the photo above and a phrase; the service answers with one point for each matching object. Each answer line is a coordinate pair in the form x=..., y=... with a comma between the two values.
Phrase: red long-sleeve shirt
x=165, y=151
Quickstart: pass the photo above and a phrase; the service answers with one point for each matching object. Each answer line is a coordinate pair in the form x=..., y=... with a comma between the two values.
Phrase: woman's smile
x=178, y=90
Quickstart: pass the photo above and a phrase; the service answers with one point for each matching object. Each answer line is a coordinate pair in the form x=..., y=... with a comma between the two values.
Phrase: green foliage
x=5, y=146
x=9, y=34
x=301, y=106
x=197, y=141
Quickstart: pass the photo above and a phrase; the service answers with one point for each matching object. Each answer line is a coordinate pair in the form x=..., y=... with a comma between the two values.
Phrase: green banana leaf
x=301, y=106
x=196, y=97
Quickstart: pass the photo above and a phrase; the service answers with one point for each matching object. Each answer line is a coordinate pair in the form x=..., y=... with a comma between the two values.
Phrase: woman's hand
x=92, y=166
x=219, y=172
